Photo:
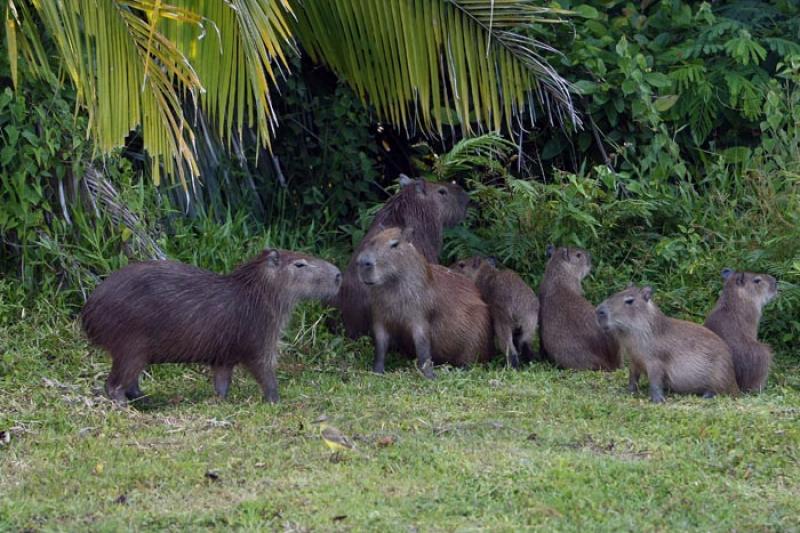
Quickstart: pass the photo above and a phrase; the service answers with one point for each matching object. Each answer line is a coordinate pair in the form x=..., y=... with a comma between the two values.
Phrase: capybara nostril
x=338, y=278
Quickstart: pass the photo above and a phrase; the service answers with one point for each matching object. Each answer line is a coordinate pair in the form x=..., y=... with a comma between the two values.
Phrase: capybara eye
x=629, y=301
x=461, y=264
x=300, y=264
x=442, y=191
x=757, y=280
x=394, y=244
x=579, y=255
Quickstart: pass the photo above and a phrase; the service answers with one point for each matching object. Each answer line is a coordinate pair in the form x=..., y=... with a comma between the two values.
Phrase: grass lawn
x=480, y=449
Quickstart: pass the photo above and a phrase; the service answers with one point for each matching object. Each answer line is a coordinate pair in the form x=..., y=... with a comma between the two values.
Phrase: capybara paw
x=709, y=394
x=378, y=369
x=633, y=388
x=271, y=397
x=657, y=398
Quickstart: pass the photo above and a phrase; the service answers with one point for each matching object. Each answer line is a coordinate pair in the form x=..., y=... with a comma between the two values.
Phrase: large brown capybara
x=420, y=308
x=170, y=312
x=569, y=334
x=513, y=306
x=735, y=319
x=427, y=208
x=677, y=355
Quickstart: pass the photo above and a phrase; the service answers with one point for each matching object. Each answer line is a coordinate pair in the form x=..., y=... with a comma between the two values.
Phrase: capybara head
x=300, y=275
x=575, y=263
x=752, y=287
x=387, y=256
x=627, y=311
x=448, y=199
x=472, y=266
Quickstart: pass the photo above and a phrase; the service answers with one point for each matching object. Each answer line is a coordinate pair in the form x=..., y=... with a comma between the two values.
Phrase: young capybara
x=735, y=319
x=421, y=308
x=569, y=334
x=169, y=312
x=677, y=355
x=428, y=208
x=513, y=306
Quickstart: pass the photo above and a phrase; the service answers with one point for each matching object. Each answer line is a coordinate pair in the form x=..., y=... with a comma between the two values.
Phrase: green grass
x=480, y=449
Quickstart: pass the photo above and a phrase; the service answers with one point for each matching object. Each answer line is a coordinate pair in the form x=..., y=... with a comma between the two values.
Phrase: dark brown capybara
x=420, y=308
x=735, y=319
x=677, y=355
x=569, y=334
x=427, y=208
x=513, y=306
x=170, y=312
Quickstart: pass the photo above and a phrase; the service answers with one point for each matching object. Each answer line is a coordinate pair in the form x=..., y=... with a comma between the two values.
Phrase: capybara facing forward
x=681, y=356
x=171, y=312
x=735, y=319
x=427, y=208
x=569, y=334
x=421, y=308
x=512, y=304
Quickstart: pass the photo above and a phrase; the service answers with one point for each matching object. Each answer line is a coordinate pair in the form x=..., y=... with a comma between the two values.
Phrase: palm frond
x=491, y=151
x=440, y=62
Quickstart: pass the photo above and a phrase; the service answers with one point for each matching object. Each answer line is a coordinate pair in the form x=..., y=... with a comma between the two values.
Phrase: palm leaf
x=436, y=62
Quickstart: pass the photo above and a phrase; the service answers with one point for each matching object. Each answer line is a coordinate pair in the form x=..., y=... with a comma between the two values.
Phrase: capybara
x=735, y=319
x=428, y=208
x=170, y=312
x=421, y=308
x=513, y=306
x=676, y=355
x=569, y=334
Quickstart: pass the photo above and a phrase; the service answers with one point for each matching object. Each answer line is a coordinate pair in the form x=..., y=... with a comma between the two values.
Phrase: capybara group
x=735, y=319
x=676, y=355
x=419, y=307
x=569, y=334
x=513, y=306
x=170, y=312
x=427, y=208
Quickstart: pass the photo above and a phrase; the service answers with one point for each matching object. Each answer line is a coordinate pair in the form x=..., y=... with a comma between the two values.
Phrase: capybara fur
x=513, y=306
x=170, y=312
x=569, y=334
x=735, y=319
x=676, y=355
x=420, y=308
x=427, y=208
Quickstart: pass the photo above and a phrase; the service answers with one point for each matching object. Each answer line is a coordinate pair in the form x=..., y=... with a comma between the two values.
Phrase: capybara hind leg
x=222, y=379
x=264, y=373
x=505, y=340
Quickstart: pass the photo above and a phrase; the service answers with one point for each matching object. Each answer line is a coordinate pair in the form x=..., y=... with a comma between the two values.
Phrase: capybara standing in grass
x=421, y=308
x=170, y=312
x=513, y=306
x=569, y=334
x=427, y=208
x=677, y=355
x=735, y=319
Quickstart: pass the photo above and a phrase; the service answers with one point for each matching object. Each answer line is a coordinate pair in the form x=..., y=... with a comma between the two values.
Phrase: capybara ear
x=476, y=262
x=492, y=260
x=647, y=293
x=726, y=272
x=740, y=279
x=407, y=234
x=565, y=253
x=548, y=252
x=273, y=258
x=404, y=180
x=419, y=185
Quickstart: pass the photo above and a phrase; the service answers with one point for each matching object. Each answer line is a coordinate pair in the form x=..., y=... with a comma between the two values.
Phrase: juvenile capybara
x=676, y=355
x=735, y=319
x=420, y=308
x=569, y=334
x=427, y=208
x=513, y=306
x=170, y=312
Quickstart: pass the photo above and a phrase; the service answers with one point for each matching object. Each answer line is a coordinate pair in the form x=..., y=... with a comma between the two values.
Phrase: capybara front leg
x=422, y=345
x=381, y=339
x=264, y=373
x=656, y=377
x=634, y=373
x=222, y=380
x=123, y=377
